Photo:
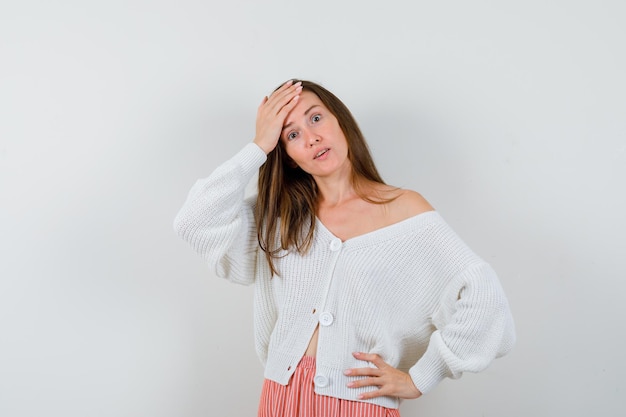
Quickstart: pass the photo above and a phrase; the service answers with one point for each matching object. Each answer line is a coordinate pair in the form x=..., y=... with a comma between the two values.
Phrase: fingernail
x=347, y=372
x=350, y=384
x=360, y=396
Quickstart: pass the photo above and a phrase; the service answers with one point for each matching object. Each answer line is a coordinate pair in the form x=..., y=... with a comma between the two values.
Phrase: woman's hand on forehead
x=272, y=113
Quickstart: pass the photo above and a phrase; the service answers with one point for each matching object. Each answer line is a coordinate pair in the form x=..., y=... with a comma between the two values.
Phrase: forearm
x=215, y=220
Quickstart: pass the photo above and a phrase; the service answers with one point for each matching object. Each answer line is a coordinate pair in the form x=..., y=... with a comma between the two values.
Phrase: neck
x=335, y=189
x=332, y=194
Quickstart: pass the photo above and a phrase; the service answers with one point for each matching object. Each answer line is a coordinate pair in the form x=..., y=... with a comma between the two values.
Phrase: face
x=313, y=139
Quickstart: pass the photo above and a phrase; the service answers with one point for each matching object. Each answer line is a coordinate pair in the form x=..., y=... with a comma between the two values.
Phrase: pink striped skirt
x=298, y=399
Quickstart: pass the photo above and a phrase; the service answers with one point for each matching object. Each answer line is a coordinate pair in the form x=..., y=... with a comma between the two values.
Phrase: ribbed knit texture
x=299, y=400
x=411, y=292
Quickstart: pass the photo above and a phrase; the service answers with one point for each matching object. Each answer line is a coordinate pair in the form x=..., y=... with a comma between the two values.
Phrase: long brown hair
x=287, y=195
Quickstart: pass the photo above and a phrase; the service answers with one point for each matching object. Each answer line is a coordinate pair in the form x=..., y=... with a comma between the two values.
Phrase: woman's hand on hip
x=389, y=380
x=272, y=113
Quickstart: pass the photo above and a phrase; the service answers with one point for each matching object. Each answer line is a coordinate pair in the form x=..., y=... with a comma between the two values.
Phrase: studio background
x=509, y=117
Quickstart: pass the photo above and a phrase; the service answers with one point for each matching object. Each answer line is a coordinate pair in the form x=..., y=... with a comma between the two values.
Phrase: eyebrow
x=305, y=113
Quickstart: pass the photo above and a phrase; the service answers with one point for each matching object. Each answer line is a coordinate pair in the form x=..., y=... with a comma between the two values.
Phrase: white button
x=326, y=318
x=335, y=244
x=320, y=381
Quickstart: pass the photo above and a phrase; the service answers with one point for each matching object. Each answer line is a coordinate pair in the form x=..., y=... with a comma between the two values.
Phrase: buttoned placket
x=325, y=317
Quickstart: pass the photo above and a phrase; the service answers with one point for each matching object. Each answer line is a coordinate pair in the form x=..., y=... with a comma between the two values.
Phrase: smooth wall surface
x=510, y=117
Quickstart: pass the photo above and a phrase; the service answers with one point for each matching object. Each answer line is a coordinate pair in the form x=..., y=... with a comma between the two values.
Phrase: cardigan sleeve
x=473, y=326
x=218, y=223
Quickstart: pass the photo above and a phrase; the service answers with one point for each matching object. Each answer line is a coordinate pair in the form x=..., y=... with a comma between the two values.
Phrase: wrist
x=264, y=147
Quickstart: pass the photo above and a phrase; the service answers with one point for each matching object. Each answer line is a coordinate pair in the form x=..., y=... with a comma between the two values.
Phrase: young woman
x=363, y=294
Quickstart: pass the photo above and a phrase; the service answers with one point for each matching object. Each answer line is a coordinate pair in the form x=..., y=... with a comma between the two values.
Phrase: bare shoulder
x=397, y=203
x=408, y=203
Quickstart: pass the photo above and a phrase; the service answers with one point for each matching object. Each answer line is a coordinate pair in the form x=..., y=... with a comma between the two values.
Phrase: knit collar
x=407, y=226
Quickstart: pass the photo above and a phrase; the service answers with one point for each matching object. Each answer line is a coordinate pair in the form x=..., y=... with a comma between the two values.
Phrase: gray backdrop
x=508, y=116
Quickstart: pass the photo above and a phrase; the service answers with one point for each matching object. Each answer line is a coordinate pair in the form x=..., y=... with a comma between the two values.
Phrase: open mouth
x=320, y=153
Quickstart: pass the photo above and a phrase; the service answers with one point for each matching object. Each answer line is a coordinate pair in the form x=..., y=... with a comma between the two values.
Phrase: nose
x=312, y=138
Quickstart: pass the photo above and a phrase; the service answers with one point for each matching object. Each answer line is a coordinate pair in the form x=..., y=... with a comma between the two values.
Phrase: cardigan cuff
x=431, y=369
x=251, y=157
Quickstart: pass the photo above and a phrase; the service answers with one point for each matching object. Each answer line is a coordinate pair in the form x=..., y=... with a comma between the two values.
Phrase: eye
x=292, y=135
x=316, y=118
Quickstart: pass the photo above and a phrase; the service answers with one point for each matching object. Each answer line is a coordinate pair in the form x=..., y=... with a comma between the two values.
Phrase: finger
x=282, y=88
x=281, y=109
x=365, y=382
x=281, y=97
x=363, y=372
x=289, y=106
x=371, y=394
x=371, y=357
x=278, y=110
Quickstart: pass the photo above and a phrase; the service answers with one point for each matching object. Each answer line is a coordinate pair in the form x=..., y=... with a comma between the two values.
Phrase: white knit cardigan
x=411, y=292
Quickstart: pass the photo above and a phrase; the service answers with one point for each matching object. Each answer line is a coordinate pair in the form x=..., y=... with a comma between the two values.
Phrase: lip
x=320, y=153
